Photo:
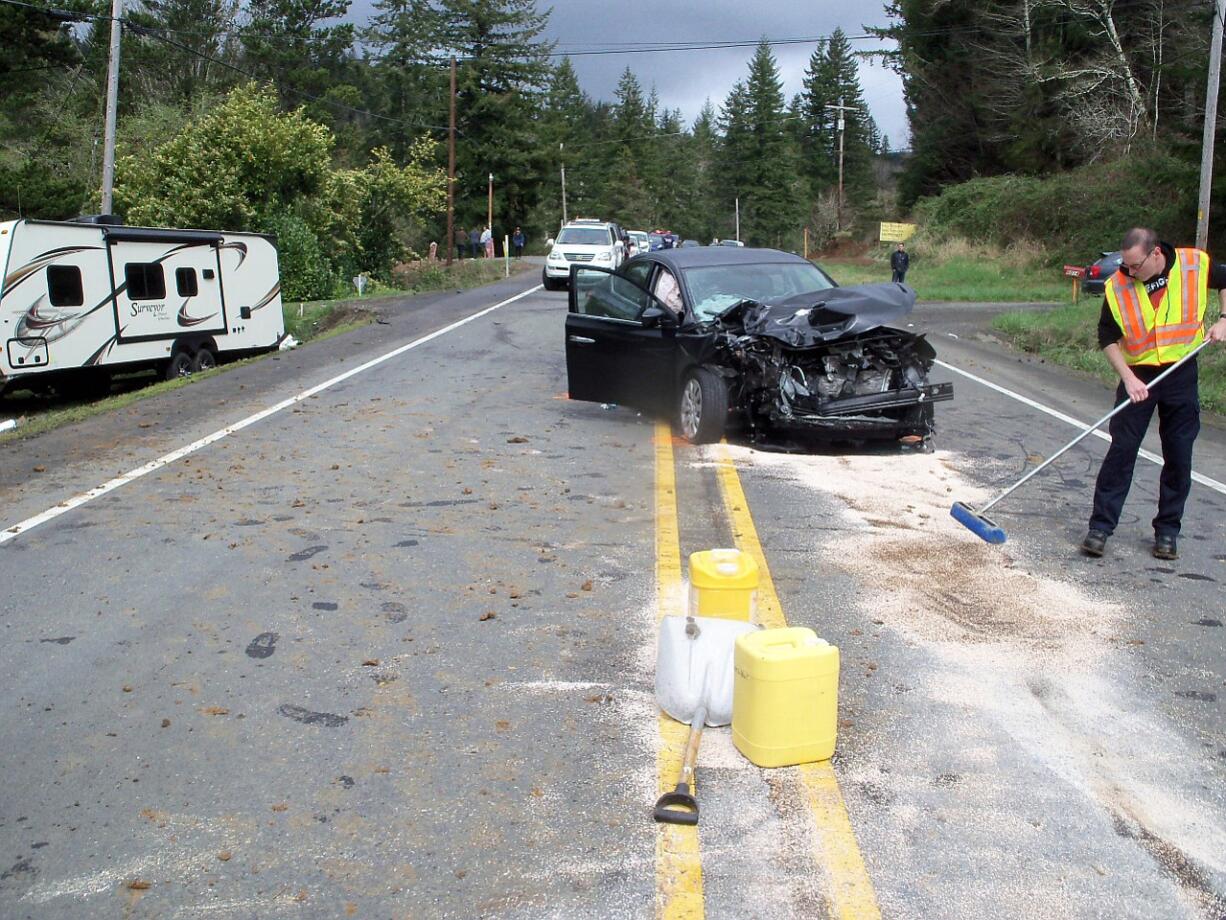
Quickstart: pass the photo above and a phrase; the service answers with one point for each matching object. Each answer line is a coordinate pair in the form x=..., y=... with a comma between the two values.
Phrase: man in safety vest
x=1153, y=315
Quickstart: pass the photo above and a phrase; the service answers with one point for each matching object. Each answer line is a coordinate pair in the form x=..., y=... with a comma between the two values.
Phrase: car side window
x=609, y=296
x=667, y=291
x=638, y=272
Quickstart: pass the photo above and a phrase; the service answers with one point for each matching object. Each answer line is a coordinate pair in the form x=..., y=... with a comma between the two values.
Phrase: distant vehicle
x=687, y=244
x=83, y=298
x=640, y=239
x=759, y=340
x=731, y=243
x=1095, y=281
x=581, y=241
x=656, y=241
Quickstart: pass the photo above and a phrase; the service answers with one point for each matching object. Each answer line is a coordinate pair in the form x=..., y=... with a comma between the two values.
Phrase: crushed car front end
x=829, y=366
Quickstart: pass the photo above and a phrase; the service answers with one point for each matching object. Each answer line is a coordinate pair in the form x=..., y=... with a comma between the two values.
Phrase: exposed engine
x=804, y=367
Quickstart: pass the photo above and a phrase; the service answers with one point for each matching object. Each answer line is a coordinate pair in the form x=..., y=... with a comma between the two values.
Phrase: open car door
x=619, y=341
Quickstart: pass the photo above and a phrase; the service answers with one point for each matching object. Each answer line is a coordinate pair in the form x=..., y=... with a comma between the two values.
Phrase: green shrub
x=306, y=272
x=1073, y=215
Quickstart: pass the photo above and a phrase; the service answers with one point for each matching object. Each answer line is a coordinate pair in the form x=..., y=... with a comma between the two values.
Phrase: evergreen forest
x=1051, y=119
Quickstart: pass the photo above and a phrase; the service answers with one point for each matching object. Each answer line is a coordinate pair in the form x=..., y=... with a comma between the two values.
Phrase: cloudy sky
x=685, y=79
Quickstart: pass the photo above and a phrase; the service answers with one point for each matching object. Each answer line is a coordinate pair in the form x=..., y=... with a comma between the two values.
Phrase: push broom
x=988, y=530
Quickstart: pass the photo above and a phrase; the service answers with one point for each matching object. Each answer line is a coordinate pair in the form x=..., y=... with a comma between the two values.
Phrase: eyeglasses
x=1135, y=267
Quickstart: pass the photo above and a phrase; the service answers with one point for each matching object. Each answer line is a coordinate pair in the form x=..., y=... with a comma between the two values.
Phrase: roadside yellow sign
x=895, y=233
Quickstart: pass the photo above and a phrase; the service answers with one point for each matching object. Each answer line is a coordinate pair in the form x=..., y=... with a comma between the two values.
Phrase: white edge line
x=1102, y=435
x=77, y=500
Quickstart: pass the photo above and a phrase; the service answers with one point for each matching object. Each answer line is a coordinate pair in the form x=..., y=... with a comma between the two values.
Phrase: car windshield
x=584, y=236
x=715, y=288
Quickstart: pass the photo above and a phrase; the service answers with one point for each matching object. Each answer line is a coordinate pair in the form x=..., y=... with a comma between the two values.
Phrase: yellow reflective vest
x=1165, y=333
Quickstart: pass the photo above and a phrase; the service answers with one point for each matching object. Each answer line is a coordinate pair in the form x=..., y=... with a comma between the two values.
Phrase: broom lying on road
x=988, y=530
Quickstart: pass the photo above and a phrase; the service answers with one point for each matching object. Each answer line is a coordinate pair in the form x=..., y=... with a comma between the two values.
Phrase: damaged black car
x=751, y=340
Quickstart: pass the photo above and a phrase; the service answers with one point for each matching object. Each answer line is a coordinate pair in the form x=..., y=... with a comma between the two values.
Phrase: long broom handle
x=1077, y=440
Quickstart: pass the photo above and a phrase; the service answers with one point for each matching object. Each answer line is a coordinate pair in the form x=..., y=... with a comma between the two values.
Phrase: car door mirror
x=657, y=315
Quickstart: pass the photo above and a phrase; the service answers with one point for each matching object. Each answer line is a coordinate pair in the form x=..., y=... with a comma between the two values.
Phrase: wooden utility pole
x=490, y=222
x=562, y=157
x=451, y=170
x=1207, y=139
x=112, y=104
x=841, y=109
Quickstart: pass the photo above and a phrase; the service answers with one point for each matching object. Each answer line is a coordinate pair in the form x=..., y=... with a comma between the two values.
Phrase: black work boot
x=1095, y=542
x=1164, y=547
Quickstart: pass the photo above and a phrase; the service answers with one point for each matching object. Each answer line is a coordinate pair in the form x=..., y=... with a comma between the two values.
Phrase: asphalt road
x=388, y=652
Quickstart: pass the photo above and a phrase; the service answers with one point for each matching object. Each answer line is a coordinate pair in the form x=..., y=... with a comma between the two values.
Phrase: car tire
x=702, y=408
x=551, y=284
x=180, y=365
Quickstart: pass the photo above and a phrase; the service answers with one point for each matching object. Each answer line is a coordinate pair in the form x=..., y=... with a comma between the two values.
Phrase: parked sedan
x=754, y=339
x=1095, y=281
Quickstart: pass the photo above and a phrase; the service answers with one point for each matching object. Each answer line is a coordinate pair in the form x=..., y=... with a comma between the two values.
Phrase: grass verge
x=960, y=279
x=1068, y=336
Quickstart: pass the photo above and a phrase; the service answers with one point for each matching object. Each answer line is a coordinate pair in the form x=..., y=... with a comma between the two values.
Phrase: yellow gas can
x=723, y=583
x=785, y=697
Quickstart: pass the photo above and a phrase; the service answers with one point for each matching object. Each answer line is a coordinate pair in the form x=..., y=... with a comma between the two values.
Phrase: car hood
x=822, y=316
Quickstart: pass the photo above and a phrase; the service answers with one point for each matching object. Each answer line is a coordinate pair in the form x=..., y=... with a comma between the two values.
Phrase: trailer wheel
x=179, y=366
x=205, y=360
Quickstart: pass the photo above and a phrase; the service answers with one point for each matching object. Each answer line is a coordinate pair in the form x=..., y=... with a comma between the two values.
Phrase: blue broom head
x=976, y=523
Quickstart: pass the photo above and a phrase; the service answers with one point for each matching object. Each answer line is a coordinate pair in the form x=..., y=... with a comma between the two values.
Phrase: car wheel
x=179, y=366
x=702, y=410
x=550, y=284
x=205, y=360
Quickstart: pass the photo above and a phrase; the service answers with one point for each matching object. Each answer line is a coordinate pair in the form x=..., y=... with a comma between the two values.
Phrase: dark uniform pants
x=1178, y=403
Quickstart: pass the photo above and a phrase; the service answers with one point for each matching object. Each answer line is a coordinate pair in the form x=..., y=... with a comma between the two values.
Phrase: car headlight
x=603, y=256
x=555, y=256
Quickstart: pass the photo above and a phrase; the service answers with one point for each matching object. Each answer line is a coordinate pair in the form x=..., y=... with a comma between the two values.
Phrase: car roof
x=696, y=256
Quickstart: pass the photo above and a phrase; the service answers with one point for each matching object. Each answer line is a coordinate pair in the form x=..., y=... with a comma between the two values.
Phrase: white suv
x=581, y=242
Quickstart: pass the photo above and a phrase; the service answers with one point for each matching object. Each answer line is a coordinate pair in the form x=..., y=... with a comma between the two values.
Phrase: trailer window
x=185, y=279
x=145, y=280
x=64, y=286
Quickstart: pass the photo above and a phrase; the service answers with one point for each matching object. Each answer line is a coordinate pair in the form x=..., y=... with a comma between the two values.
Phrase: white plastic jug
x=694, y=666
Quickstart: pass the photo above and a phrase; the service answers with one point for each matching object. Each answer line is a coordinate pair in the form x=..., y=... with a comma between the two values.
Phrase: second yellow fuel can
x=785, y=693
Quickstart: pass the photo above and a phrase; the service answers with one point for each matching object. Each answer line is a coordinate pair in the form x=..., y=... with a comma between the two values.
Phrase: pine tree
x=502, y=77
x=412, y=86
x=705, y=210
x=761, y=156
x=288, y=43
x=565, y=133
x=192, y=62
x=832, y=79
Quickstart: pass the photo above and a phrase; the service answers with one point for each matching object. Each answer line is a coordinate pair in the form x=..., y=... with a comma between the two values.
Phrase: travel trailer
x=81, y=299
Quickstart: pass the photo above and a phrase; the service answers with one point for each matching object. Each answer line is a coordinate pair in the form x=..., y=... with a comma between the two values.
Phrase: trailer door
x=165, y=288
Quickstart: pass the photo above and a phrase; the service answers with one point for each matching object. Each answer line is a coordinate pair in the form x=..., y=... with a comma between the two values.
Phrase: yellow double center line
x=678, y=863
x=678, y=869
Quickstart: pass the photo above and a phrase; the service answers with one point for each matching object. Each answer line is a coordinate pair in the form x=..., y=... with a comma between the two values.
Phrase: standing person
x=487, y=241
x=900, y=261
x=474, y=242
x=461, y=242
x=1151, y=317
x=517, y=240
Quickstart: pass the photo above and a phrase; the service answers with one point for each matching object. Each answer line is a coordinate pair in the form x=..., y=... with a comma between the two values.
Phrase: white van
x=82, y=298
x=581, y=242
